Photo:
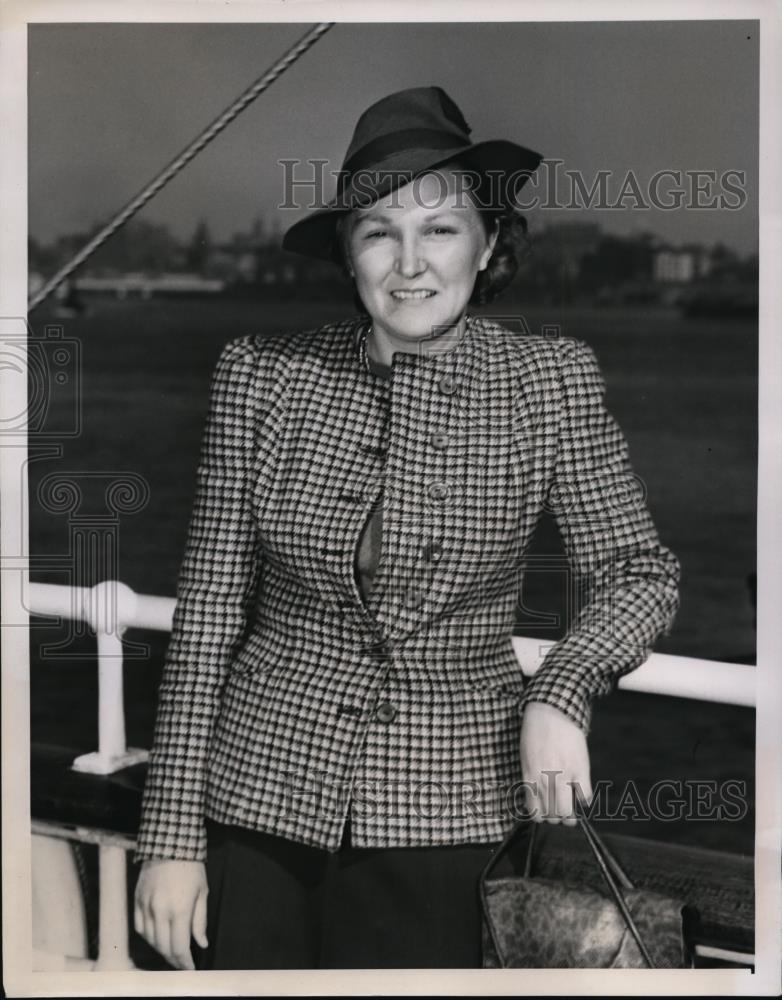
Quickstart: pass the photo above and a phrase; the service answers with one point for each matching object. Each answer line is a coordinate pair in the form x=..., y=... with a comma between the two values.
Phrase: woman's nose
x=409, y=260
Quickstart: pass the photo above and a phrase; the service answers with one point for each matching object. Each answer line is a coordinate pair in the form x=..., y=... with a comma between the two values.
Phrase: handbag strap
x=591, y=834
x=595, y=842
x=613, y=876
x=503, y=848
x=530, y=849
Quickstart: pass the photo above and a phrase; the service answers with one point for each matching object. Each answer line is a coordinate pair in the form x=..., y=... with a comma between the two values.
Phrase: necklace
x=366, y=329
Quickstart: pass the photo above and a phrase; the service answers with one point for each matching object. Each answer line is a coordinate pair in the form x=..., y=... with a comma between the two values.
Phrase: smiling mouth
x=402, y=295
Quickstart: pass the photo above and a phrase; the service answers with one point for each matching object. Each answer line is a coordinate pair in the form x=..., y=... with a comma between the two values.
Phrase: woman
x=343, y=727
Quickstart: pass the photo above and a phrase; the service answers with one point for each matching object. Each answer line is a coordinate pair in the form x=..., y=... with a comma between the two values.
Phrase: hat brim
x=315, y=236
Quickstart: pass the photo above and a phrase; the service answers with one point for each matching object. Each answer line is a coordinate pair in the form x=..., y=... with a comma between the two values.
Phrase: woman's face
x=415, y=254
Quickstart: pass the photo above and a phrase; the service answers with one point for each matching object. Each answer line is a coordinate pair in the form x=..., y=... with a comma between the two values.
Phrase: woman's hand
x=170, y=906
x=554, y=760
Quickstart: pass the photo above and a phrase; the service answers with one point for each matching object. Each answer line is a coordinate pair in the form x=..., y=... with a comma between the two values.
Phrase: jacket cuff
x=560, y=691
x=171, y=848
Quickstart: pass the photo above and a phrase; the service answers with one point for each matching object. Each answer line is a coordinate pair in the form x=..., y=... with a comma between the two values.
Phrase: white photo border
x=19, y=981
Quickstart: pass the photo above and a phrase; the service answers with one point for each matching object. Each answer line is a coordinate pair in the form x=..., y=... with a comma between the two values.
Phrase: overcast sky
x=110, y=105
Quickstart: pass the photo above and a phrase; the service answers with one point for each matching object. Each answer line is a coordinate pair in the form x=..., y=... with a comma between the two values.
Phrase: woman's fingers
x=161, y=935
x=555, y=764
x=168, y=931
x=532, y=800
x=149, y=930
x=181, y=955
x=169, y=934
x=582, y=788
x=550, y=797
x=170, y=903
x=199, y=920
x=138, y=917
x=556, y=797
x=565, y=803
x=143, y=920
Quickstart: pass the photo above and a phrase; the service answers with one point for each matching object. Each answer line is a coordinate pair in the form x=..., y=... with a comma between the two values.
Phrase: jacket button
x=414, y=598
x=385, y=712
x=439, y=441
x=432, y=552
x=447, y=385
x=438, y=492
x=380, y=650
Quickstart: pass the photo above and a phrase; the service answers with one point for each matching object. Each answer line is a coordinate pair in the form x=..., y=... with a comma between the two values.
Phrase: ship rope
x=180, y=162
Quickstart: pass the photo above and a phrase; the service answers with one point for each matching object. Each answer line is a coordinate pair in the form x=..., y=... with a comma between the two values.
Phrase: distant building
x=147, y=285
x=235, y=262
x=577, y=236
x=255, y=258
x=572, y=242
x=680, y=265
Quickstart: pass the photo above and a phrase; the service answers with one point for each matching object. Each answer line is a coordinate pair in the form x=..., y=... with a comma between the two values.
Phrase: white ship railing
x=112, y=607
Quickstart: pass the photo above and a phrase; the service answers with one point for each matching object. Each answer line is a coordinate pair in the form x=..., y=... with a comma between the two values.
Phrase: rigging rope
x=180, y=161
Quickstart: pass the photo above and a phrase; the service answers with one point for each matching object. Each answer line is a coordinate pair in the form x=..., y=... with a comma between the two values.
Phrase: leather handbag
x=535, y=922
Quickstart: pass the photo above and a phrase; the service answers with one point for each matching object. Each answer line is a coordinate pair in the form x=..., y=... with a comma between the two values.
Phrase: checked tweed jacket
x=288, y=702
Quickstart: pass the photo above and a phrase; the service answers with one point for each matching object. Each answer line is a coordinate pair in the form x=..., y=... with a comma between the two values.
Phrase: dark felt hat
x=395, y=140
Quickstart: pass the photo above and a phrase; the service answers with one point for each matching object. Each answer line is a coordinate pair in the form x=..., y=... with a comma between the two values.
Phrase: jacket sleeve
x=629, y=581
x=217, y=575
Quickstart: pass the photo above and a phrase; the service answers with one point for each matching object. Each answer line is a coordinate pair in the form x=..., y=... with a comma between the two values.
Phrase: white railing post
x=113, y=953
x=111, y=708
x=111, y=607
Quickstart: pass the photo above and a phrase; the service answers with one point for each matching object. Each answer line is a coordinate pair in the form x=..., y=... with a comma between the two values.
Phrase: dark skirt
x=276, y=904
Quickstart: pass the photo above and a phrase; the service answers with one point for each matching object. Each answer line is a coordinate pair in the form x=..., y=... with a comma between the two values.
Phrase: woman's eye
x=376, y=234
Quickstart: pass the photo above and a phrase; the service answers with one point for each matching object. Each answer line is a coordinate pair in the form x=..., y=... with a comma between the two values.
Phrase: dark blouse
x=370, y=540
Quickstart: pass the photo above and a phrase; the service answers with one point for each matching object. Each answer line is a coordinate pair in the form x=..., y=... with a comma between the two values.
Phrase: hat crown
x=427, y=108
